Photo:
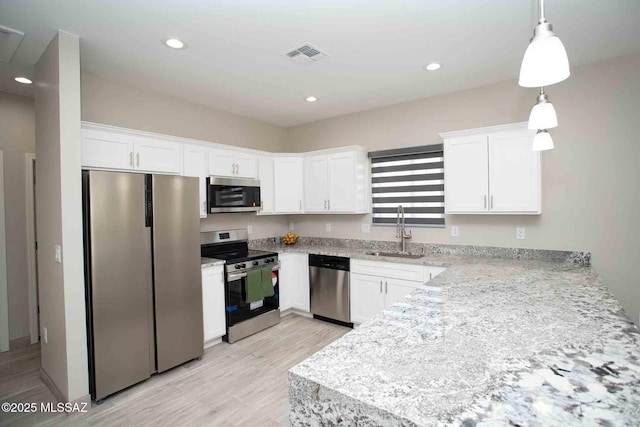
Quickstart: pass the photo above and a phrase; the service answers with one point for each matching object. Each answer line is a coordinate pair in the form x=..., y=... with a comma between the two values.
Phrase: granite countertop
x=210, y=262
x=491, y=341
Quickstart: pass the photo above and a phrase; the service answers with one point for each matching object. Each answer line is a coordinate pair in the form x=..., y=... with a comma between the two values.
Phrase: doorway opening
x=32, y=247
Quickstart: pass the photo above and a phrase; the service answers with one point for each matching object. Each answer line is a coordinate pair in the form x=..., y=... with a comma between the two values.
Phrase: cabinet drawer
x=415, y=273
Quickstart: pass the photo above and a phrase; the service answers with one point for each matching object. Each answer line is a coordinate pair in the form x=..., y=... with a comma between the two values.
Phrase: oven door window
x=238, y=310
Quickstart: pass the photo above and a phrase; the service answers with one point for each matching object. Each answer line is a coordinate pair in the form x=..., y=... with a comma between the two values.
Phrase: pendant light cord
x=542, y=17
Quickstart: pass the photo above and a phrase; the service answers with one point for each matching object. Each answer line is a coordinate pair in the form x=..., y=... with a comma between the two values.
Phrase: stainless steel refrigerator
x=142, y=275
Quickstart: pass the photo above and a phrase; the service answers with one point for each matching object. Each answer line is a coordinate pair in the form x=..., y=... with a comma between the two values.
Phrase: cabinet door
x=514, y=174
x=221, y=163
x=213, y=303
x=294, y=281
x=288, y=183
x=109, y=150
x=156, y=155
x=301, y=263
x=195, y=164
x=246, y=165
x=342, y=182
x=286, y=279
x=367, y=298
x=396, y=289
x=265, y=175
x=315, y=184
x=466, y=174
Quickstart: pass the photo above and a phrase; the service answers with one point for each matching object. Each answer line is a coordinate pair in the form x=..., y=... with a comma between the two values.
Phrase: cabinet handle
x=386, y=286
x=325, y=205
x=380, y=286
x=328, y=204
x=429, y=275
x=300, y=203
x=138, y=159
x=485, y=202
x=131, y=158
x=492, y=201
x=237, y=169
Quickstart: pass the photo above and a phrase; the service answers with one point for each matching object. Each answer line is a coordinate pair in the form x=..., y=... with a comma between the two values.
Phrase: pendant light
x=545, y=61
x=543, y=114
x=542, y=141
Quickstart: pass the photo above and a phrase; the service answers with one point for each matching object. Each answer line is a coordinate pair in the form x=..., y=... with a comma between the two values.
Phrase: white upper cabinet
x=316, y=176
x=267, y=187
x=113, y=149
x=337, y=182
x=491, y=171
x=232, y=163
x=157, y=155
x=195, y=164
x=105, y=149
x=288, y=184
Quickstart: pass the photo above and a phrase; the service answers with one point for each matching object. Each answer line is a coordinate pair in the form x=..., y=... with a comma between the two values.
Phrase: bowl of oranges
x=289, y=238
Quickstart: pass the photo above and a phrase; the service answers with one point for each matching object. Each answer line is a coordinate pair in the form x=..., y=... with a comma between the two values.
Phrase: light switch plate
x=58, y=254
x=328, y=227
x=455, y=232
x=292, y=226
x=249, y=229
x=520, y=233
x=366, y=228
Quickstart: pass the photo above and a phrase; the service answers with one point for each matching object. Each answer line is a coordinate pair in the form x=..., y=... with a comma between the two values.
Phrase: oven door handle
x=236, y=276
x=232, y=277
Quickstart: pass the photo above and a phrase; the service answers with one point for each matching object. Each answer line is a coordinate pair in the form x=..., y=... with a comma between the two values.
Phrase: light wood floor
x=242, y=384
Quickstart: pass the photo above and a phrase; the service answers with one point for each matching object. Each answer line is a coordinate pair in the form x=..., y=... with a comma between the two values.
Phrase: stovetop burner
x=231, y=246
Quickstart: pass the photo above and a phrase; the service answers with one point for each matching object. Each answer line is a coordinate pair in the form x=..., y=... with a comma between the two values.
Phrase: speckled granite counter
x=210, y=262
x=490, y=341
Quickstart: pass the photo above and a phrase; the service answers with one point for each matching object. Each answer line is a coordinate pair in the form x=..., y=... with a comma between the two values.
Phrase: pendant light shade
x=542, y=141
x=545, y=61
x=543, y=114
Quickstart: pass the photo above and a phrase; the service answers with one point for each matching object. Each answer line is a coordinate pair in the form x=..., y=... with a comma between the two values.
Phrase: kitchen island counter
x=491, y=341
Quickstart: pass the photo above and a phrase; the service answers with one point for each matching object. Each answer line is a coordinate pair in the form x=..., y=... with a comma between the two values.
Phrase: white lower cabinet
x=294, y=281
x=213, y=315
x=378, y=285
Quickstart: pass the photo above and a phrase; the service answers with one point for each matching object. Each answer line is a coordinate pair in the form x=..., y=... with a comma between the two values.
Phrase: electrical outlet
x=58, y=254
x=366, y=228
x=455, y=232
x=520, y=233
x=327, y=227
x=249, y=229
x=45, y=336
x=292, y=226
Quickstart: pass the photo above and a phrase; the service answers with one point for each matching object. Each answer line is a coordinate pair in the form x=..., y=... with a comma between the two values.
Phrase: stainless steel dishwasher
x=329, y=288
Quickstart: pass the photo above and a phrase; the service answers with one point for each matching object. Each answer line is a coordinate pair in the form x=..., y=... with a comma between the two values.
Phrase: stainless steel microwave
x=233, y=195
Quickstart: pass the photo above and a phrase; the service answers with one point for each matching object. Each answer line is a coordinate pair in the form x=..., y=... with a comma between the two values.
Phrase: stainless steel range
x=251, y=282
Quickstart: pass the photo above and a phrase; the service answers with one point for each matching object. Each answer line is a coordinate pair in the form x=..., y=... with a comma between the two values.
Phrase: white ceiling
x=234, y=61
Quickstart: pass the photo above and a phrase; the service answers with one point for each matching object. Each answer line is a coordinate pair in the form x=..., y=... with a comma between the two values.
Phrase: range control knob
x=243, y=265
x=237, y=266
x=255, y=262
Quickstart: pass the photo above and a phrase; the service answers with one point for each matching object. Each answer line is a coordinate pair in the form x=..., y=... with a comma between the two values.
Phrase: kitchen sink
x=396, y=254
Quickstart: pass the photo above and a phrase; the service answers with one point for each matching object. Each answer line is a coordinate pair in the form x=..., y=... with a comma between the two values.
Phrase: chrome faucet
x=400, y=230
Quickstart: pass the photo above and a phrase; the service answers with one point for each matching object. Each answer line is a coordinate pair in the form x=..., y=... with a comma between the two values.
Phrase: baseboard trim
x=212, y=342
x=289, y=311
x=51, y=386
x=19, y=343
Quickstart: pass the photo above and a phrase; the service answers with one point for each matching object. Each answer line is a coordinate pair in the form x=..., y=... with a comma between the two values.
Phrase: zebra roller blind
x=412, y=177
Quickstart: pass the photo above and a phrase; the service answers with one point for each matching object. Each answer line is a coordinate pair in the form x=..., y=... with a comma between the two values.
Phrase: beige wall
x=112, y=103
x=59, y=216
x=17, y=137
x=590, y=200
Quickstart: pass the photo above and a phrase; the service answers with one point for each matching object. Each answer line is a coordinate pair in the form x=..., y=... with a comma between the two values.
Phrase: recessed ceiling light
x=311, y=99
x=433, y=66
x=23, y=80
x=175, y=44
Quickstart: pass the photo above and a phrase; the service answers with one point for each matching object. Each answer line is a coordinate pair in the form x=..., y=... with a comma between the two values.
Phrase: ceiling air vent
x=306, y=53
x=9, y=42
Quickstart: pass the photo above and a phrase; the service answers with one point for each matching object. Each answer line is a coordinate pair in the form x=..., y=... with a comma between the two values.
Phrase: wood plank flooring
x=242, y=384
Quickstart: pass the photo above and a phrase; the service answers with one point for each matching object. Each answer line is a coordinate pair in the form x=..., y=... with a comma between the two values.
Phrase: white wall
x=59, y=216
x=590, y=200
x=17, y=137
